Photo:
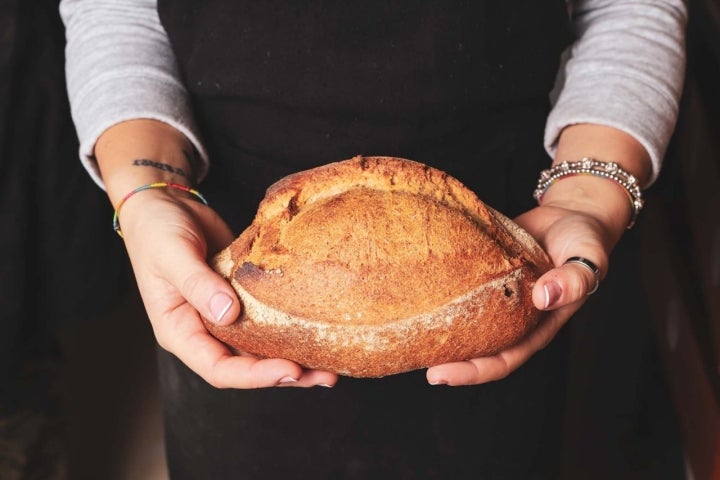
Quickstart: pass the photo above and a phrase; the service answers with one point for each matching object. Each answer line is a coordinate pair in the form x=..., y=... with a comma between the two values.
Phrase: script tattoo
x=143, y=162
x=194, y=160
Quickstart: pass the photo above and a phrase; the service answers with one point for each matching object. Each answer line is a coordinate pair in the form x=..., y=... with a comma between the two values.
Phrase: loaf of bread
x=376, y=265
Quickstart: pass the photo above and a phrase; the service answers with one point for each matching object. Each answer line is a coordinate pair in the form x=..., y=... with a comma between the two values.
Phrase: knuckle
x=577, y=286
x=191, y=284
x=545, y=340
x=218, y=384
x=215, y=380
x=505, y=371
x=163, y=342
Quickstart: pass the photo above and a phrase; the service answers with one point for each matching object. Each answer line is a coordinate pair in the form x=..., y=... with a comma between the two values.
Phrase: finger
x=564, y=285
x=211, y=295
x=496, y=367
x=183, y=334
x=218, y=233
x=312, y=378
x=469, y=372
x=309, y=377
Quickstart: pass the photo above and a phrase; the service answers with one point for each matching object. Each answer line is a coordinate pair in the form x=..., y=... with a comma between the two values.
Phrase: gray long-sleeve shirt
x=625, y=70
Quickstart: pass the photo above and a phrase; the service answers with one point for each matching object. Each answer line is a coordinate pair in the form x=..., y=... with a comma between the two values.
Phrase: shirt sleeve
x=625, y=70
x=120, y=66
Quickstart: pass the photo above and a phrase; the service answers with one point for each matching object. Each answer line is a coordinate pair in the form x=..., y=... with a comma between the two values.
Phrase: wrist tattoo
x=144, y=162
x=194, y=160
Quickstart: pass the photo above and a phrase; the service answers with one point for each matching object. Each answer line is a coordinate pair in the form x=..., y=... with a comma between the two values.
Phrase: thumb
x=571, y=282
x=206, y=290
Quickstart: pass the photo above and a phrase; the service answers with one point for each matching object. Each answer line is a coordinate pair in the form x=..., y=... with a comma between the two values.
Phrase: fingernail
x=324, y=385
x=220, y=303
x=287, y=380
x=439, y=382
x=552, y=293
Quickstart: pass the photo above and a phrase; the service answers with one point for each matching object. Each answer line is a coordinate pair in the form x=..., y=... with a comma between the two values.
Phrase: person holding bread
x=187, y=112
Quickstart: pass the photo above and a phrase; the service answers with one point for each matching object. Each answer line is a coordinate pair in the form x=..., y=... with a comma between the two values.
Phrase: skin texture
x=578, y=216
x=169, y=236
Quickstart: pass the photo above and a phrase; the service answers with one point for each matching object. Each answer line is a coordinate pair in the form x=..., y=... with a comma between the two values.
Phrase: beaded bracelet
x=116, y=222
x=590, y=166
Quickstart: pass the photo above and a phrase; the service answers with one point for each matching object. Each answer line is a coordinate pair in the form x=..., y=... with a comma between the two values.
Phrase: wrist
x=141, y=152
x=584, y=176
x=158, y=193
x=600, y=198
x=589, y=166
x=605, y=144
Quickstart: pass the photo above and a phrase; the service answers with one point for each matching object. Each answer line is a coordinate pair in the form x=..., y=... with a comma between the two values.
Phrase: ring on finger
x=590, y=266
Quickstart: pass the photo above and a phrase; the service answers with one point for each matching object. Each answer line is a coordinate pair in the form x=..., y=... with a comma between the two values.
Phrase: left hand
x=580, y=216
x=561, y=291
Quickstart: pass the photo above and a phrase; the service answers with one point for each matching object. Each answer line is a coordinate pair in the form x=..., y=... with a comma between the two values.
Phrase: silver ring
x=590, y=266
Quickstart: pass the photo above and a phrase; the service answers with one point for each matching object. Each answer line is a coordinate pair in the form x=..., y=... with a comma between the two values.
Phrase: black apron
x=282, y=86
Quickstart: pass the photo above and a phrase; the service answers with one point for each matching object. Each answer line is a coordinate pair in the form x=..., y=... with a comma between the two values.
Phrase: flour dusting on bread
x=378, y=265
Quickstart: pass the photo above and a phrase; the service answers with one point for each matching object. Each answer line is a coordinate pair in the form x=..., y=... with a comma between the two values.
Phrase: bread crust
x=378, y=265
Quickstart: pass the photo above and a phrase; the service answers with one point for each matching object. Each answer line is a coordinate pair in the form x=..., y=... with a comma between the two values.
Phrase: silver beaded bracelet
x=590, y=166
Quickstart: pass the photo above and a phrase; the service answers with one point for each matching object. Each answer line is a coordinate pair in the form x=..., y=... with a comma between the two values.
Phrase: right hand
x=169, y=236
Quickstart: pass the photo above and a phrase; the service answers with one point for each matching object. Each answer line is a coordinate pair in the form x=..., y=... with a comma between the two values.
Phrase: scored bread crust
x=378, y=265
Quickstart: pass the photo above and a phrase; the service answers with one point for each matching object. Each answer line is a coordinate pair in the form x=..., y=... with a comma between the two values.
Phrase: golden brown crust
x=378, y=265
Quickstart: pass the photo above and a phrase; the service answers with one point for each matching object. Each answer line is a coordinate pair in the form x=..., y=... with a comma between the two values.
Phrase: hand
x=168, y=236
x=561, y=291
x=581, y=216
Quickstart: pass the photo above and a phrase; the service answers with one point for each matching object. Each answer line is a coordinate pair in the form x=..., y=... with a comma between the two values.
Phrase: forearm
x=120, y=67
x=618, y=103
x=603, y=199
x=625, y=71
x=137, y=152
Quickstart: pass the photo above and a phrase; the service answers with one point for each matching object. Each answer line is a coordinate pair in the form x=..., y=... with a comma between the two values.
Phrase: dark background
x=78, y=396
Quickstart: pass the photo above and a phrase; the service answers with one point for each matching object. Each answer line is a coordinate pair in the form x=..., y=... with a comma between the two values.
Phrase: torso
x=281, y=86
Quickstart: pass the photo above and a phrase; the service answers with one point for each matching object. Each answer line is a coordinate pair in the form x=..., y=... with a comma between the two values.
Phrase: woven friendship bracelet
x=116, y=222
x=590, y=166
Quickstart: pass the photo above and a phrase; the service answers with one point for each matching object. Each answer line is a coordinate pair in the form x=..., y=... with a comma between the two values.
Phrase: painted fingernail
x=552, y=293
x=220, y=303
x=286, y=380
